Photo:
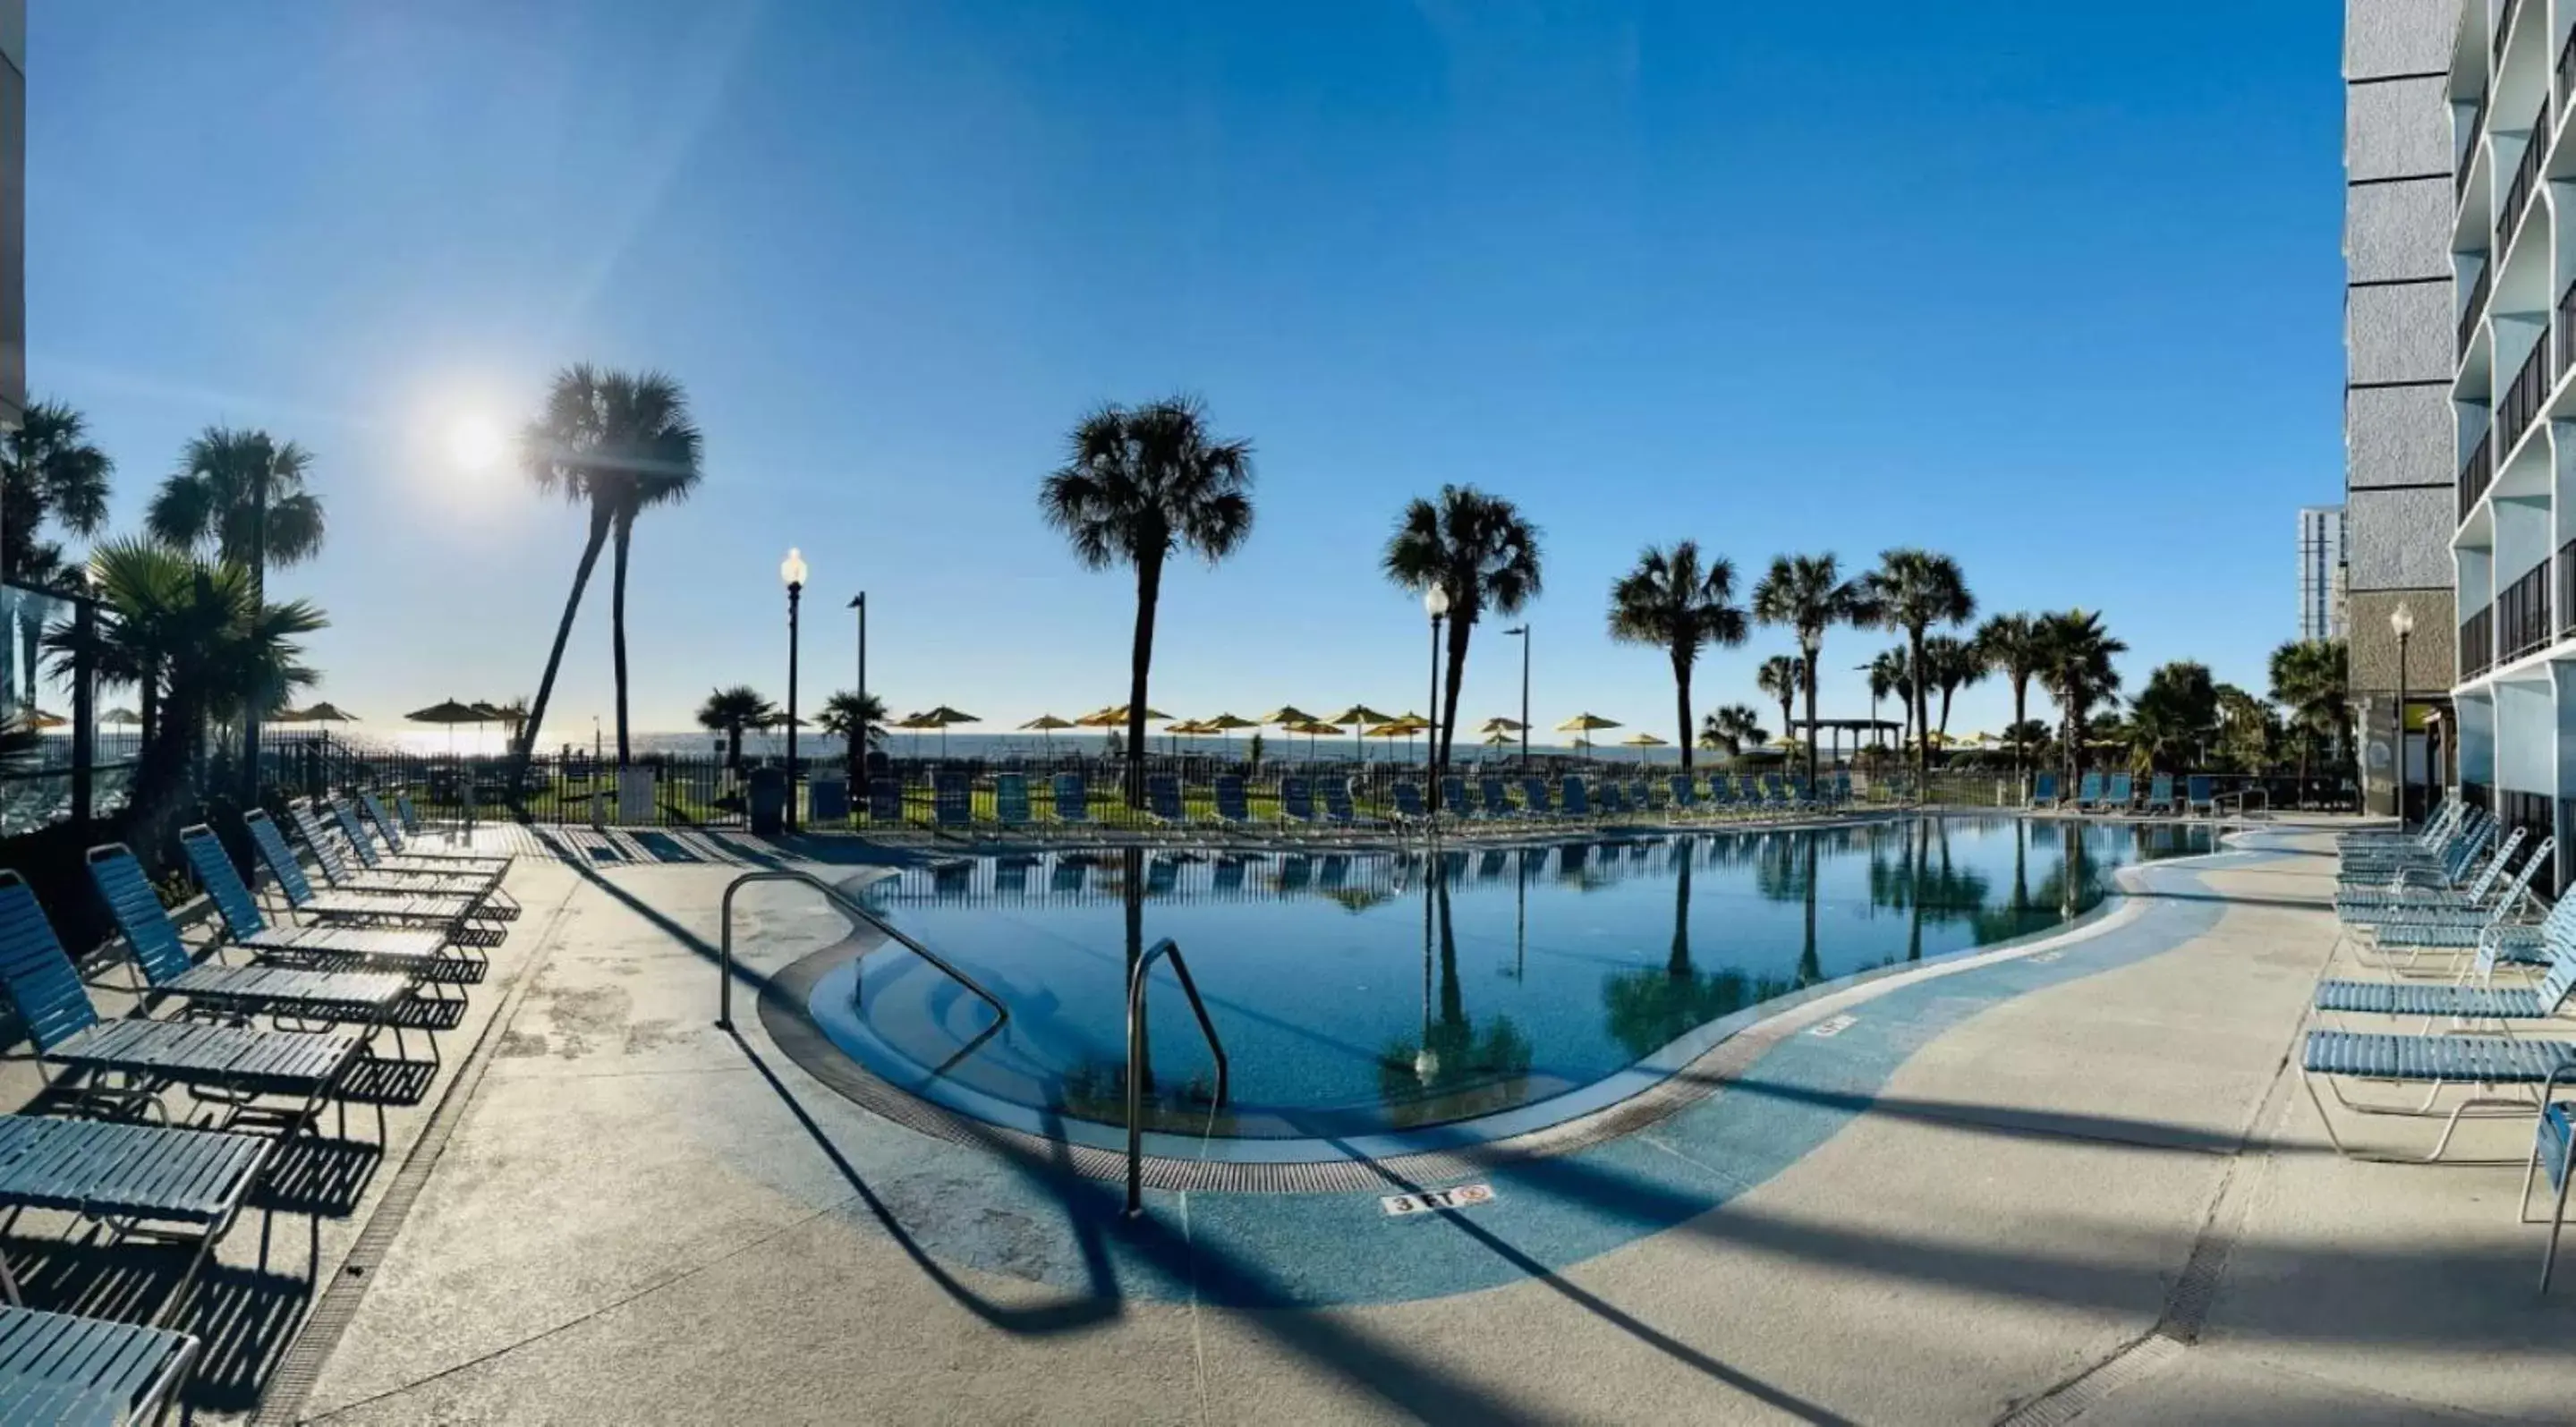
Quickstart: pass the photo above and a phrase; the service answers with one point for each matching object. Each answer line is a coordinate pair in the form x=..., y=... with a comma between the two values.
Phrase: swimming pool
x=1366, y=995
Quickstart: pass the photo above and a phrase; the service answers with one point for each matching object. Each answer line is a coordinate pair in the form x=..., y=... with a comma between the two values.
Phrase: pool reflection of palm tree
x=1650, y=1008
x=1419, y=1075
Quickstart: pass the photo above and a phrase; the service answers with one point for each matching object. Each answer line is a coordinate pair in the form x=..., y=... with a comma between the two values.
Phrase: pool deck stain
x=1982, y=1187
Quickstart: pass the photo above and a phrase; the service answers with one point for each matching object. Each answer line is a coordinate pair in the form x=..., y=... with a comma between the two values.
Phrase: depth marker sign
x=1463, y=1197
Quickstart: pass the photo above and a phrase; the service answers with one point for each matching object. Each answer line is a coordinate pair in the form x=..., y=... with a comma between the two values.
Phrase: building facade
x=13, y=211
x=2321, y=573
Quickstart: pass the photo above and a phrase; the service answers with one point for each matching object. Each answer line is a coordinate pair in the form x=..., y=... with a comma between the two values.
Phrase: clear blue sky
x=2054, y=288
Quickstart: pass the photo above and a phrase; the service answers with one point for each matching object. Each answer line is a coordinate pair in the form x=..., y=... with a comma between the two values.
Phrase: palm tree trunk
x=554, y=658
x=1149, y=593
x=1810, y=682
x=617, y=623
x=1461, y=630
x=1682, y=707
x=1918, y=695
x=1788, y=716
x=2021, y=696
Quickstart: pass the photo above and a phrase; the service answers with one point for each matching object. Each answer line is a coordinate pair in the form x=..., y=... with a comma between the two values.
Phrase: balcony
x=2567, y=589
x=2477, y=131
x=2523, y=400
x=2526, y=177
x=2477, y=644
x=2521, y=611
x=2478, y=474
x=2567, y=65
x=2477, y=307
x=2504, y=27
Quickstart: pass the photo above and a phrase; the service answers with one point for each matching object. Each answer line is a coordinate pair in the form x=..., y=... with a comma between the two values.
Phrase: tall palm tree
x=1891, y=671
x=1481, y=552
x=1732, y=729
x=2078, y=674
x=844, y=714
x=2013, y=648
x=241, y=495
x=1808, y=594
x=1677, y=603
x=1951, y=665
x=733, y=712
x=1914, y=590
x=2309, y=678
x=1782, y=676
x=616, y=443
x=1139, y=485
x=48, y=471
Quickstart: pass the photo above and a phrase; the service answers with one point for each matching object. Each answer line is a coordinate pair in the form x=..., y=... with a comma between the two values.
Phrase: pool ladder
x=852, y=908
x=1136, y=1056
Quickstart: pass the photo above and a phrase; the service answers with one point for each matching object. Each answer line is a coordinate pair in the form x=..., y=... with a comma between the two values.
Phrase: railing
x=2523, y=400
x=2504, y=28
x=2567, y=587
x=2468, y=161
x=2244, y=799
x=1136, y=1057
x=848, y=906
x=2477, y=644
x=2522, y=615
x=2563, y=326
x=2531, y=813
x=2470, y=314
x=2478, y=473
x=2526, y=177
x=2567, y=65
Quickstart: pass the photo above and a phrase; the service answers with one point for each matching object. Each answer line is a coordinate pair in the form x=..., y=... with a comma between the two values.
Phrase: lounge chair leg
x=2558, y=1215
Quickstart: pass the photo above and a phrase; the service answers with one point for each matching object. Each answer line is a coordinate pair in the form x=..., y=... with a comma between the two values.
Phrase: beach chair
x=885, y=801
x=1772, y=793
x=412, y=825
x=422, y=955
x=1338, y=809
x=1577, y=793
x=2200, y=794
x=2088, y=792
x=81, y=1372
x=392, y=836
x=1840, y=795
x=2118, y=793
x=1641, y=796
x=1163, y=800
x=475, y=890
x=161, y=1182
x=485, y=875
x=326, y=998
x=1685, y=793
x=2440, y=823
x=2486, y=1066
x=2463, y=1003
x=1612, y=802
x=2160, y=793
x=1497, y=802
x=2366, y=864
x=1072, y=800
x=1296, y=800
x=1233, y=803
x=1011, y=800
x=2460, y=864
x=1409, y=807
x=452, y=916
x=1535, y=801
x=952, y=802
x=2553, y=1146
x=232, y=1066
x=1454, y=802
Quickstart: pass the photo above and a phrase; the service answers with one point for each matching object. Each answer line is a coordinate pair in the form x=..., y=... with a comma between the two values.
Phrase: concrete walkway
x=2091, y=1191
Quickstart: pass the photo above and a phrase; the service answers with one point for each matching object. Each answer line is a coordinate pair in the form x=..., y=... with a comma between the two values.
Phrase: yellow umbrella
x=1287, y=715
x=915, y=723
x=1584, y=723
x=1641, y=741
x=1046, y=724
x=1361, y=718
x=38, y=718
x=1501, y=725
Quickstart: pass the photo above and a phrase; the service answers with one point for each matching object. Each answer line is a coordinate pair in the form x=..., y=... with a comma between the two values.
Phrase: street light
x=859, y=774
x=2401, y=622
x=1435, y=603
x=1522, y=633
x=792, y=570
x=1809, y=641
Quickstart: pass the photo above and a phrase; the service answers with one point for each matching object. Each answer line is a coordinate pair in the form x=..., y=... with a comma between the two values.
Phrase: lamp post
x=792, y=570
x=1522, y=633
x=1435, y=603
x=1863, y=670
x=2401, y=622
x=1809, y=640
x=859, y=774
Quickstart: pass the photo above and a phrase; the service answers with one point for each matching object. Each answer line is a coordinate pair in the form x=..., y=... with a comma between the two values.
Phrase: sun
x=475, y=443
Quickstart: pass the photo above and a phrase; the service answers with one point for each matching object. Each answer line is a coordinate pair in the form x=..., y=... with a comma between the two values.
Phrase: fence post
x=84, y=709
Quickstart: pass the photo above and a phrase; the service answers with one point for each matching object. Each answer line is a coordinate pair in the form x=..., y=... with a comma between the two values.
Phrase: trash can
x=827, y=802
x=768, y=801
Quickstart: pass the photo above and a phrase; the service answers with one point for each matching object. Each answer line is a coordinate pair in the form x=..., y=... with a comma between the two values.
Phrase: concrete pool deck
x=2078, y=1182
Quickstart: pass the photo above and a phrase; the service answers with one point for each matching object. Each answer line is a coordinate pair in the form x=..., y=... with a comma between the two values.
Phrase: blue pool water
x=1360, y=994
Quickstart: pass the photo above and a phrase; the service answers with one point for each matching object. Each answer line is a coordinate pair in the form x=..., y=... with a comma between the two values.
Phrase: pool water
x=1366, y=993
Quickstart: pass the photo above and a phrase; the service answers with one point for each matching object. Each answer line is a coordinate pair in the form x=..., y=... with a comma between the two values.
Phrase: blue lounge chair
x=325, y=997
x=1233, y=805
x=1578, y=796
x=1338, y=810
x=86, y=1371
x=1072, y=800
x=2200, y=794
x=1163, y=800
x=1409, y=807
x=482, y=874
x=1453, y=797
x=1775, y=793
x=1685, y=792
x=885, y=801
x=952, y=802
x=1296, y=800
x=2465, y=866
x=1498, y=802
x=1535, y=801
x=230, y=1064
x=2119, y=794
x=2553, y=1148
x=2160, y=793
x=337, y=871
x=185, y=1186
x=2088, y=792
x=2461, y=1002
x=392, y=836
x=2439, y=1061
x=1842, y=790
x=1011, y=800
x=1641, y=796
x=420, y=954
x=453, y=917
x=1613, y=802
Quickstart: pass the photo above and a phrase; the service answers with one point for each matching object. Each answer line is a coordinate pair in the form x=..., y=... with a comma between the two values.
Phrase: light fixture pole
x=1435, y=603
x=2401, y=622
x=1522, y=633
x=792, y=570
x=859, y=774
x=1808, y=642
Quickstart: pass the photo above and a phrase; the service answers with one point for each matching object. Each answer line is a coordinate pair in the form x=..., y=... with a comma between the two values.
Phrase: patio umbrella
x=326, y=712
x=1225, y=724
x=1641, y=741
x=1314, y=728
x=914, y=724
x=1288, y=714
x=121, y=716
x=1501, y=725
x=38, y=718
x=1405, y=726
x=1192, y=727
x=1360, y=718
x=941, y=717
x=1584, y=723
x=1046, y=725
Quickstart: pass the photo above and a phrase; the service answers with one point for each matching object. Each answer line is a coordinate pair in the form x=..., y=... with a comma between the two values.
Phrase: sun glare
x=475, y=443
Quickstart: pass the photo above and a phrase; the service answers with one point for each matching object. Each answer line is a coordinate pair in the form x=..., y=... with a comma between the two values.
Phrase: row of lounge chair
x=1331, y=804
x=2118, y=793
x=391, y=938
x=2443, y=923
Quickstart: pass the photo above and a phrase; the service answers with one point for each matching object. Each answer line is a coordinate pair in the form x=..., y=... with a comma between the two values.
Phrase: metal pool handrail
x=850, y=907
x=2244, y=801
x=1136, y=1058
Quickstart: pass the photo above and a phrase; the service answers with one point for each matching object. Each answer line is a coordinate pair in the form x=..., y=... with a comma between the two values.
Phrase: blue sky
x=2055, y=288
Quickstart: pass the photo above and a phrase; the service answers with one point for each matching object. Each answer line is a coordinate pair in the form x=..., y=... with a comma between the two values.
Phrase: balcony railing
x=2526, y=177
x=2564, y=324
x=2477, y=307
x=2469, y=153
x=2523, y=400
x=2477, y=644
x=2522, y=624
x=2477, y=474
x=2567, y=65
x=2567, y=589
x=2504, y=27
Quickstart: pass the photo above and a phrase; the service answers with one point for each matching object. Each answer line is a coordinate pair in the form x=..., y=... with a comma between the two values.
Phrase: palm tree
x=2078, y=674
x=1950, y=665
x=2247, y=729
x=1674, y=602
x=733, y=712
x=1808, y=594
x=616, y=443
x=1732, y=729
x=48, y=470
x=1482, y=553
x=2310, y=679
x=2013, y=648
x=1891, y=671
x=240, y=494
x=844, y=714
x=1782, y=676
x=2174, y=717
x=1913, y=590
x=1138, y=485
